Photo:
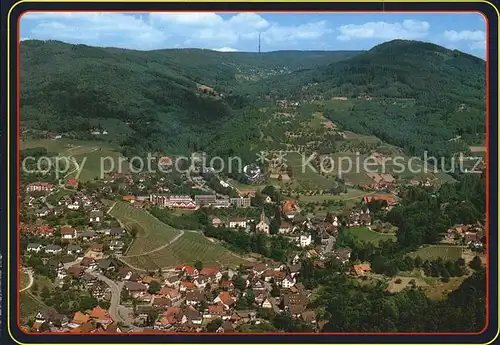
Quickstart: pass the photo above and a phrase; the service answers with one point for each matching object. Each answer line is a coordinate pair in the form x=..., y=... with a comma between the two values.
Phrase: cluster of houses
x=472, y=235
x=73, y=241
x=188, y=299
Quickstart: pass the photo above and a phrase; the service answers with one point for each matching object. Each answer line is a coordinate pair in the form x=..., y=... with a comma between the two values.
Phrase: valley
x=349, y=203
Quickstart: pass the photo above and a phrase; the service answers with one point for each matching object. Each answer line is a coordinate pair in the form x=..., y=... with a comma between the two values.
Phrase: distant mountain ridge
x=180, y=99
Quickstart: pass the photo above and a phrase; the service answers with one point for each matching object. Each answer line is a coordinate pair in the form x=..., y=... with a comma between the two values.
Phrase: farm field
x=367, y=235
x=151, y=232
x=189, y=248
x=438, y=251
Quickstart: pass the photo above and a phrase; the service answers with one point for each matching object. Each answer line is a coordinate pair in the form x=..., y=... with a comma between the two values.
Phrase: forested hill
x=412, y=94
x=168, y=96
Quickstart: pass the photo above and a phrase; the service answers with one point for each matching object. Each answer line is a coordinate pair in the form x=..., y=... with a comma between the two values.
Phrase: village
x=69, y=235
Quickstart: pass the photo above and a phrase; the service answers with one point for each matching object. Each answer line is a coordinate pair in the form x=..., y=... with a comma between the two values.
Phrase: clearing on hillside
x=151, y=232
x=29, y=305
x=90, y=163
x=307, y=178
x=189, y=248
x=367, y=235
x=436, y=251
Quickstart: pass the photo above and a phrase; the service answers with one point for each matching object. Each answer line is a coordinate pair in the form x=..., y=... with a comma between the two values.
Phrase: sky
x=239, y=31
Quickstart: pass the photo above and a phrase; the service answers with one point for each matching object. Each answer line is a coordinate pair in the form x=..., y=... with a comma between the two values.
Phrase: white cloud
x=277, y=33
x=225, y=49
x=407, y=29
x=476, y=39
x=150, y=31
x=94, y=28
x=248, y=20
x=464, y=35
x=190, y=19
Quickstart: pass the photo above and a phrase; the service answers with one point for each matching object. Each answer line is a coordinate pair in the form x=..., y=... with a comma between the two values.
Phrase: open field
x=433, y=287
x=90, y=163
x=437, y=289
x=352, y=193
x=29, y=305
x=151, y=232
x=86, y=153
x=63, y=145
x=367, y=235
x=438, y=251
x=394, y=287
x=307, y=178
x=189, y=248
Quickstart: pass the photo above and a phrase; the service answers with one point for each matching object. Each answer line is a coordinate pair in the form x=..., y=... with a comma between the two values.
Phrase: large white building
x=173, y=201
x=238, y=223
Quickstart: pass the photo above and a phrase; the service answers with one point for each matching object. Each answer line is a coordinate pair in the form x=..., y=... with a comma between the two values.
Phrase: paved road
x=30, y=274
x=117, y=312
x=329, y=245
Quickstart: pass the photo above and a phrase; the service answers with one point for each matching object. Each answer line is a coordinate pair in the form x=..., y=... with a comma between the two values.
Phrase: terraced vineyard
x=189, y=248
x=151, y=232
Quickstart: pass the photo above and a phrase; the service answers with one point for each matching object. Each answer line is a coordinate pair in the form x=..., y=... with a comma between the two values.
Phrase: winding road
x=31, y=280
x=117, y=311
x=115, y=307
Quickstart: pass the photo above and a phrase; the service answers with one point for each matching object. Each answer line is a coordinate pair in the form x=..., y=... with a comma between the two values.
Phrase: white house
x=96, y=216
x=284, y=228
x=53, y=249
x=75, y=205
x=305, y=240
x=238, y=223
x=42, y=212
x=288, y=282
x=267, y=304
x=34, y=247
x=335, y=222
x=201, y=282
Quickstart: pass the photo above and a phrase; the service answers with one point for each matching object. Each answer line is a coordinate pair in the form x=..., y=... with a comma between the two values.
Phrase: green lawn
x=436, y=251
x=151, y=232
x=367, y=235
x=189, y=248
